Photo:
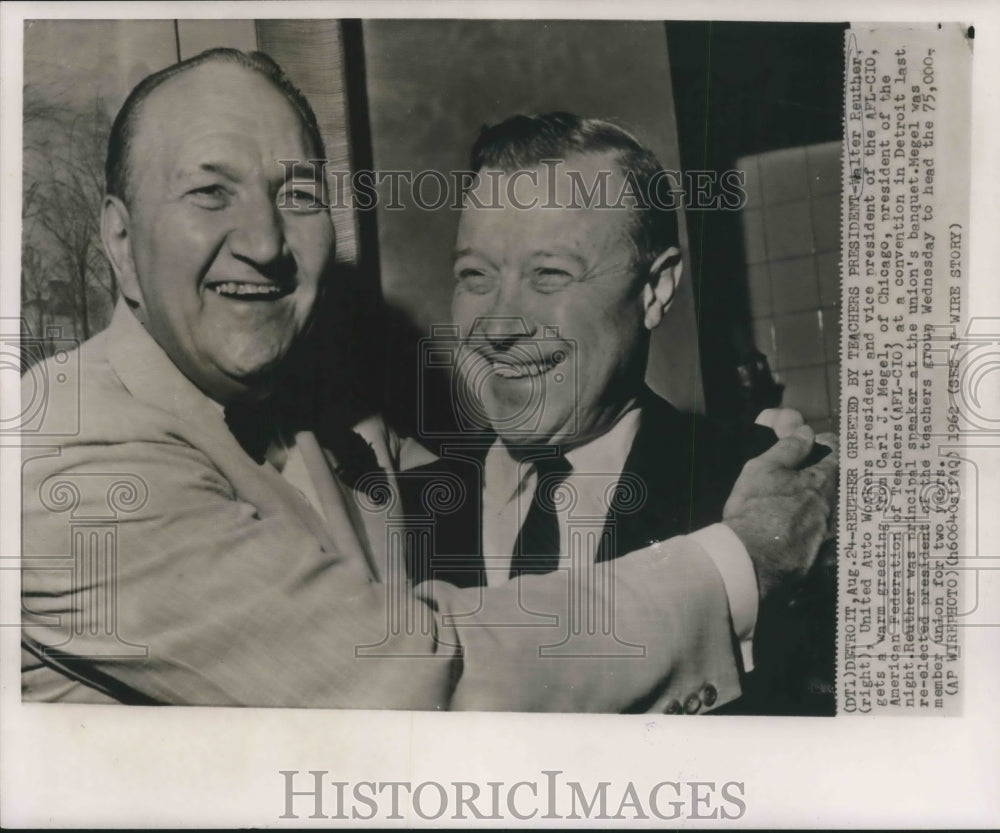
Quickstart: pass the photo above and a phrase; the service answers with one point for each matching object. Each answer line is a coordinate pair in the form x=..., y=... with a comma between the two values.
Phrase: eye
x=211, y=197
x=550, y=278
x=302, y=198
x=474, y=280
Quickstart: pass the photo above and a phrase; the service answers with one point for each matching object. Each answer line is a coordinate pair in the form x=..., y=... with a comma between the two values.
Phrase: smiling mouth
x=246, y=291
x=507, y=369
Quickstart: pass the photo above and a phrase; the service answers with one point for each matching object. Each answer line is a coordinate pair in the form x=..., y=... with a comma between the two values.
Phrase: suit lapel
x=688, y=465
x=343, y=516
x=659, y=460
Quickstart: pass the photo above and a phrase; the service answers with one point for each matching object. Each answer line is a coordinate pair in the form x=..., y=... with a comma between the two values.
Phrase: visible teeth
x=522, y=369
x=238, y=288
x=507, y=371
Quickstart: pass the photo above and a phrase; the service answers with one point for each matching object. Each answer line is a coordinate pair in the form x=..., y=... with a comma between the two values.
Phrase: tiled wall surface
x=791, y=231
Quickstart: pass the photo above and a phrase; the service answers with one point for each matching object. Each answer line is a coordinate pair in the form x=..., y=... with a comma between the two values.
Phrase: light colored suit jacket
x=163, y=565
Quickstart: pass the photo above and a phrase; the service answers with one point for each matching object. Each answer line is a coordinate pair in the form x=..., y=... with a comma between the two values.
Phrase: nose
x=258, y=236
x=509, y=318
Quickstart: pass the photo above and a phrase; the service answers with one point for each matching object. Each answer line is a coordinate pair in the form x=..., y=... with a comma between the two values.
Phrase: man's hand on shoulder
x=781, y=514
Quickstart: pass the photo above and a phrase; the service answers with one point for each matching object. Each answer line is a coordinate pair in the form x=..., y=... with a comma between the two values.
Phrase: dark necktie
x=536, y=549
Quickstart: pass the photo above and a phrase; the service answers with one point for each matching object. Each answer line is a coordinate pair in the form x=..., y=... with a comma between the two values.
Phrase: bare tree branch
x=64, y=269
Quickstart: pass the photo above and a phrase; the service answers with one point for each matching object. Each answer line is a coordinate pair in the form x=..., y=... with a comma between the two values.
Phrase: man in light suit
x=168, y=561
x=566, y=259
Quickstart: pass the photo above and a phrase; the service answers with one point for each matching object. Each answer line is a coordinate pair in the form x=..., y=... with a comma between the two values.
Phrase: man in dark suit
x=566, y=260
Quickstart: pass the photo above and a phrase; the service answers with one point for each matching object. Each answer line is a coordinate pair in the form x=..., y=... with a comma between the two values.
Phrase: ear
x=115, y=235
x=661, y=285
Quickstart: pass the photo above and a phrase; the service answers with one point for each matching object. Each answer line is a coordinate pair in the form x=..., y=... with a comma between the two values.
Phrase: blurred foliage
x=68, y=289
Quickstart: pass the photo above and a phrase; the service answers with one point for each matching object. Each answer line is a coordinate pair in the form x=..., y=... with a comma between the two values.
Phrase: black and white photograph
x=394, y=388
x=266, y=487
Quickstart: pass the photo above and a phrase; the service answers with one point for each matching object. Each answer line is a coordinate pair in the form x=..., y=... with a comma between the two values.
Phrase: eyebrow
x=460, y=253
x=466, y=252
x=559, y=253
x=221, y=168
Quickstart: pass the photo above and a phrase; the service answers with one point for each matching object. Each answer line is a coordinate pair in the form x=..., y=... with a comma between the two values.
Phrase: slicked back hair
x=118, y=161
x=524, y=142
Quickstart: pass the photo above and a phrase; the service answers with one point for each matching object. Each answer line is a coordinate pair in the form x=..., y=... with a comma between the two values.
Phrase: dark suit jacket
x=688, y=464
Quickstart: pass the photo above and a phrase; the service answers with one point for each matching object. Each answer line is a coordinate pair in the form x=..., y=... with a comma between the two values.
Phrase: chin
x=253, y=373
x=529, y=434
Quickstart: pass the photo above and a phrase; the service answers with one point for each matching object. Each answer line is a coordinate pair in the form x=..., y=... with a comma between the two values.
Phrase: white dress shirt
x=509, y=487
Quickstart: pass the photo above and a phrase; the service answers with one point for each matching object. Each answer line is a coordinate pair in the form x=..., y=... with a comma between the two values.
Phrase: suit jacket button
x=709, y=694
x=673, y=707
x=692, y=704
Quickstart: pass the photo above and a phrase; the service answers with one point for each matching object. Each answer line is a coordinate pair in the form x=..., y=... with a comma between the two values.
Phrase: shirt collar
x=151, y=376
x=607, y=453
x=504, y=477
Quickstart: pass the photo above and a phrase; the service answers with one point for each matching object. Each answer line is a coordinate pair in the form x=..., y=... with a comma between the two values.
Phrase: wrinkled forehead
x=216, y=100
x=573, y=204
